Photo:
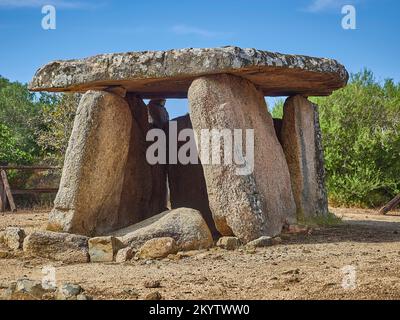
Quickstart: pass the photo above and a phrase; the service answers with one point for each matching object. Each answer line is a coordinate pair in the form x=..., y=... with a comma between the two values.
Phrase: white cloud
x=187, y=30
x=325, y=5
x=39, y=3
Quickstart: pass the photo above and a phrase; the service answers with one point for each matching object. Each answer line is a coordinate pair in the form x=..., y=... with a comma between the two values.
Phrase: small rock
x=83, y=296
x=69, y=291
x=229, y=243
x=306, y=251
x=157, y=248
x=153, y=296
x=26, y=289
x=4, y=254
x=263, y=241
x=276, y=240
x=69, y=248
x=14, y=237
x=2, y=233
x=152, y=284
x=103, y=249
x=124, y=254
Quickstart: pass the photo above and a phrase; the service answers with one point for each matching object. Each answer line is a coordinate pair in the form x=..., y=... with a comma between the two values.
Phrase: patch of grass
x=328, y=220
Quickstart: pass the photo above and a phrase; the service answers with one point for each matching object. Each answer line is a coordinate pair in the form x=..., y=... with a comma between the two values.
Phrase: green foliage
x=328, y=220
x=277, y=109
x=57, y=123
x=361, y=136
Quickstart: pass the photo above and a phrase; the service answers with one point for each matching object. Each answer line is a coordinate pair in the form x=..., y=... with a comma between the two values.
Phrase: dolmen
x=110, y=183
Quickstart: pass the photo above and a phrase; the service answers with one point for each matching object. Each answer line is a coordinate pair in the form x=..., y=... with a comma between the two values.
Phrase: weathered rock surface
x=103, y=249
x=228, y=243
x=168, y=74
x=124, y=254
x=187, y=186
x=258, y=202
x=69, y=291
x=89, y=196
x=65, y=247
x=144, y=191
x=157, y=248
x=26, y=289
x=301, y=139
x=186, y=226
x=14, y=237
x=263, y=241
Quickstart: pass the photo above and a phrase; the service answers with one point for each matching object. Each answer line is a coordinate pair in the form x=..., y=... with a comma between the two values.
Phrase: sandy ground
x=308, y=266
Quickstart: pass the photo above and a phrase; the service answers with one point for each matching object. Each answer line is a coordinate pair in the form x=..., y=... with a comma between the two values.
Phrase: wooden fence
x=6, y=192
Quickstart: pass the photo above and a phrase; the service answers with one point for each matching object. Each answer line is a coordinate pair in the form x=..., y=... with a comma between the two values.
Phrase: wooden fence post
x=8, y=191
x=392, y=204
x=3, y=197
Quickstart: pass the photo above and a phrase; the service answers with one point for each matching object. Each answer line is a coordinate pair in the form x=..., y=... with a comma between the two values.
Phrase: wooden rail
x=6, y=193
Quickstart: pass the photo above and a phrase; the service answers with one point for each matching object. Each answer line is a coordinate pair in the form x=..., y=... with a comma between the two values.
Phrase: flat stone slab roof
x=168, y=74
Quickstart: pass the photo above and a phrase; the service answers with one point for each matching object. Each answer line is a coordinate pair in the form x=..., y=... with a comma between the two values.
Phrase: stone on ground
x=14, y=237
x=157, y=248
x=245, y=203
x=124, y=254
x=69, y=291
x=89, y=196
x=261, y=242
x=228, y=243
x=26, y=289
x=301, y=140
x=65, y=247
x=103, y=249
x=186, y=226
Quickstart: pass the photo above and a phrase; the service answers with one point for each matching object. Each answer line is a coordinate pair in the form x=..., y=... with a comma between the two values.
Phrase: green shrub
x=361, y=137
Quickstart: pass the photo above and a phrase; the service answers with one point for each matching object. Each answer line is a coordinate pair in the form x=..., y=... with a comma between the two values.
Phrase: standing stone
x=158, y=119
x=187, y=185
x=135, y=204
x=89, y=196
x=253, y=205
x=301, y=136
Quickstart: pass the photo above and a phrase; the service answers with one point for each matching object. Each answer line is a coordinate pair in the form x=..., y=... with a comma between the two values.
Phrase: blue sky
x=310, y=27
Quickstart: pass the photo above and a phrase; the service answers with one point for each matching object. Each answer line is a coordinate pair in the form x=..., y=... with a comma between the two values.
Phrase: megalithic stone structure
x=107, y=182
x=301, y=140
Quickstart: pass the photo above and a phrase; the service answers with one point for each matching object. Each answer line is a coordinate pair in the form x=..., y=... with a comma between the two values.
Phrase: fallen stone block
x=14, y=237
x=228, y=243
x=103, y=249
x=186, y=226
x=65, y=247
x=157, y=248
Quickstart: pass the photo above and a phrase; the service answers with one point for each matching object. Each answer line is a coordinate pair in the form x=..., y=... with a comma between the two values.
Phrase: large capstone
x=168, y=74
x=301, y=139
x=245, y=204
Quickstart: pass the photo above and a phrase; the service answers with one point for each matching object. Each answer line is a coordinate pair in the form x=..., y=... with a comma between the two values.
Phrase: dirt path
x=302, y=267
